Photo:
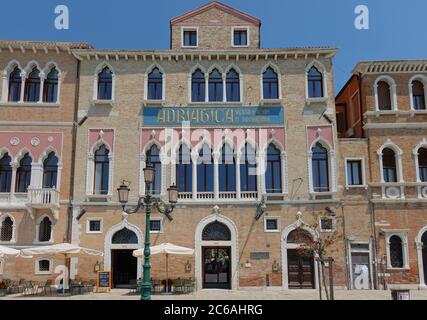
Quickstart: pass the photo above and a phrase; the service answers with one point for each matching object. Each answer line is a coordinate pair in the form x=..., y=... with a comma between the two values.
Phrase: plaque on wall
x=260, y=255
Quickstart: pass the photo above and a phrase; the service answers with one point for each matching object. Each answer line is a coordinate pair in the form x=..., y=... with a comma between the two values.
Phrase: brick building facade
x=208, y=113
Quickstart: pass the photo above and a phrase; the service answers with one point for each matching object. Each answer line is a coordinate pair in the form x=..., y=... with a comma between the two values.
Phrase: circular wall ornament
x=50, y=139
x=14, y=141
x=424, y=192
x=392, y=192
x=35, y=141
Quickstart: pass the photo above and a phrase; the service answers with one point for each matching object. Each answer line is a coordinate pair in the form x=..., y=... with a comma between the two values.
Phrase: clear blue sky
x=397, y=27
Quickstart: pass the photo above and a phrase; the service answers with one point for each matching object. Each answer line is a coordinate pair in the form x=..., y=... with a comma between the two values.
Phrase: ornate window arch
x=184, y=168
x=155, y=83
x=234, y=85
x=396, y=249
x=247, y=168
x=159, y=158
x=13, y=92
x=106, y=82
x=52, y=83
x=327, y=165
x=420, y=158
x=216, y=231
x=206, y=179
x=33, y=87
x=380, y=93
x=321, y=79
x=227, y=168
x=6, y=172
x=7, y=229
x=216, y=85
x=417, y=87
x=23, y=172
x=44, y=229
x=398, y=161
x=198, y=85
x=270, y=79
x=91, y=171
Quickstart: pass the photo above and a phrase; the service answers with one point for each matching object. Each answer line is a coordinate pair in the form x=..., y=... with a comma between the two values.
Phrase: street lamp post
x=148, y=201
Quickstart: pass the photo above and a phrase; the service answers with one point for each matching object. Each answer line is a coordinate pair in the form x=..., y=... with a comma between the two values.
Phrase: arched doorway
x=216, y=260
x=299, y=270
x=424, y=254
x=216, y=253
x=300, y=264
x=120, y=242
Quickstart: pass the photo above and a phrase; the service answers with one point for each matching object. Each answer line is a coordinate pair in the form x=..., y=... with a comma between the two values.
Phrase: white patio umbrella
x=8, y=252
x=167, y=249
x=66, y=249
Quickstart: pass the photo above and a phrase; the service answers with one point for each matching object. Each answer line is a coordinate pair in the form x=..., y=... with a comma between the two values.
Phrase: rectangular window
x=155, y=226
x=95, y=226
x=354, y=173
x=271, y=224
x=190, y=38
x=43, y=266
x=326, y=224
x=240, y=38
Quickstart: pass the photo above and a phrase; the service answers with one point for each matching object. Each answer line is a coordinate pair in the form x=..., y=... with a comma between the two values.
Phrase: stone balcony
x=35, y=198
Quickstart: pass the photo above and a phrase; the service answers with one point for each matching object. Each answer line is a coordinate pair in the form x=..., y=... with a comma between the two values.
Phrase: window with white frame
x=43, y=266
x=94, y=225
x=397, y=249
x=7, y=229
x=155, y=85
x=385, y=94
x=240, y=37
x=355, y=172
x=327, y=223
x=422, y=164
x=190, y=37
x=156, y=225
x=270, y=84
x=271, y=224
x=44, y=230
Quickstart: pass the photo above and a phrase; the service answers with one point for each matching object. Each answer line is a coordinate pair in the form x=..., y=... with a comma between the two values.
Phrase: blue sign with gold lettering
x=213, y=116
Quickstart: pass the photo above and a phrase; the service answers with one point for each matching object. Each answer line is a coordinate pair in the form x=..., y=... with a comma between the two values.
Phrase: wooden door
x=300, y=271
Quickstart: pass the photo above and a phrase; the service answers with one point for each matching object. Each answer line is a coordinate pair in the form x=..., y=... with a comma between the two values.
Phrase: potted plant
x=3, y=289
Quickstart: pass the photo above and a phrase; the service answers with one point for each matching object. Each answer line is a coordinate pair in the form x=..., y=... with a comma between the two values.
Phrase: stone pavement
x=242, y=294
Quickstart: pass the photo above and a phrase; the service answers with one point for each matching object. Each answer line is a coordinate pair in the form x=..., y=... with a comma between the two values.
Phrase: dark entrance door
x=124, y=268
x=424, y=242
x=216, y=268
x=300, y=271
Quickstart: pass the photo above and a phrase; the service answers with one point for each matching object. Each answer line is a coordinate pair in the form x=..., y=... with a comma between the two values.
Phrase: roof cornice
x=392, y=66
x=199, y=55
x=46, y=46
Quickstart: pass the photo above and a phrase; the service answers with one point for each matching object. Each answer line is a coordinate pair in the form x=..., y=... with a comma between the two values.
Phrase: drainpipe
x=73, y=155
x=348, y=267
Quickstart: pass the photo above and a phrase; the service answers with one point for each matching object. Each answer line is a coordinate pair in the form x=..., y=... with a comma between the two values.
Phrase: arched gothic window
x=155, y=85
x=102, y=170
x=215, y=86
x=184, y=170
x=273, y=174
x=50, y=90
x=153, y=157
x=270, y=82
x=15, y=82
x=320, y=168
x=5, y=173
x=23, y=174
x=50, y=171
x=198, y=86
x=105, y=84
x=32, y=86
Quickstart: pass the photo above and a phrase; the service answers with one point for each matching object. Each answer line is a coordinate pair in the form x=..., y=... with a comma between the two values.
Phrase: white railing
x=44, y=197
x=185, y=195
x=227, y=195
x=249, y=195
x=205, y=196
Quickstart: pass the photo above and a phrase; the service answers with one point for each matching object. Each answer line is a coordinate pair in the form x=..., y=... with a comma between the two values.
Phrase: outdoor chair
x=47, y=288
x=76, y=287
x=179, y=286
x=17, y=286
x=88, y=286
x=133, y=286
x=189, y=285
x=157, y=286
